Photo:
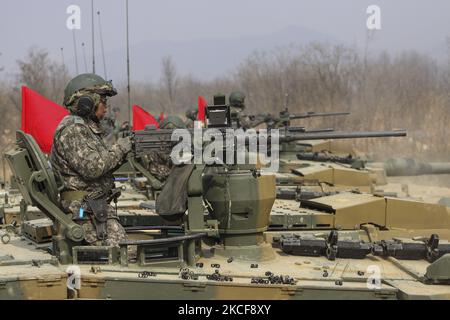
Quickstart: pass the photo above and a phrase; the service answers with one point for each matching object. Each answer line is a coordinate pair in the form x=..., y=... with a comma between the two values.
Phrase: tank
x=237, y=241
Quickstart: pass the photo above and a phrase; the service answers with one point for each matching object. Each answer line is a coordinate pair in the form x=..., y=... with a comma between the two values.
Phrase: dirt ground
x=430, y=188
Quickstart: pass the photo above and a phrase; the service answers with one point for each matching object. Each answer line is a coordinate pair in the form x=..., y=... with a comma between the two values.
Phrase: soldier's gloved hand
x=125, y=144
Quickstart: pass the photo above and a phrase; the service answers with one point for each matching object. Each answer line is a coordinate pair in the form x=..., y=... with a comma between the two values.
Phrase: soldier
x=158, y=164
x=117, y=124
x=86, y=163
x=238, y=117
x=191, y=117
x=108, y=124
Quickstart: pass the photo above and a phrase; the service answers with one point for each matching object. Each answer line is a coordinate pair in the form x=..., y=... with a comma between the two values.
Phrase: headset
x=85, y=106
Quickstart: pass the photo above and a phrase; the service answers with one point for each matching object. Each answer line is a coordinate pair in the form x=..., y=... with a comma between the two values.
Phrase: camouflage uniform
x=191, y=117
x=238, y=116
x=86, y=163
x=159, y=164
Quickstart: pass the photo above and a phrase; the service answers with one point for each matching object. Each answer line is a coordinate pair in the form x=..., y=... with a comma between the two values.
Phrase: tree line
x=381, y=91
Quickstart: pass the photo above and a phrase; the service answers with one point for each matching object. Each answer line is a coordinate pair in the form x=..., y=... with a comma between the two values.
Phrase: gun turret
x=411, y=167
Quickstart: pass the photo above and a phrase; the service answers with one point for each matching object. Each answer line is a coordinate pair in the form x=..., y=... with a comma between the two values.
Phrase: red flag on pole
x=40, y=117
x=142, y=118
x=202, y=103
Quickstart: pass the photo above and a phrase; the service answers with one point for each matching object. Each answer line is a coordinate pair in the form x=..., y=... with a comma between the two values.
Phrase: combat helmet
x=172, y=122
x=87, y=84
x=192, y=113
x=237, y=99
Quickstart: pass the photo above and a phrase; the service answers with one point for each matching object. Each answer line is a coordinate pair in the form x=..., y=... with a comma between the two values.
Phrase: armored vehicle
x=225, y=246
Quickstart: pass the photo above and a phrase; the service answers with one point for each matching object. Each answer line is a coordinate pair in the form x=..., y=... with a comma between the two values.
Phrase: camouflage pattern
x=172, y=122
x=159, y=165
x=114, y=230
x=237, y=99
x=85, y=163
x=81, y=156
x=87, y=83
x=243, y=119
x=191, y=117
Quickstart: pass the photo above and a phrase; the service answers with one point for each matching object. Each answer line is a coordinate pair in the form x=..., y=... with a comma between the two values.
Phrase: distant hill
x=206, y=58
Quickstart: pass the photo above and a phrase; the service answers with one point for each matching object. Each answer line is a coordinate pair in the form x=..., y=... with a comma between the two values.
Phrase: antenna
x=93, y=38
x=286, y=101
x=83, y=45
x=101, y=42
x=62, y=57
x=1, y=68
x=130, y=115
x=75, y=51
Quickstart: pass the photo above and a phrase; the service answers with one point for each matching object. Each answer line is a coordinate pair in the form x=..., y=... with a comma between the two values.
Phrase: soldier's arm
x=248, y=122
x=77, y=146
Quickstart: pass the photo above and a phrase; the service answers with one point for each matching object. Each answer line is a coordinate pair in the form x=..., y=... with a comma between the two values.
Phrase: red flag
x=142, y=118
x=40, y=117
x=202, y=103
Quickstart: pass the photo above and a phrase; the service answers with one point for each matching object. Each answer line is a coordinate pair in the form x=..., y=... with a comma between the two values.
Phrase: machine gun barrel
x=322, y=157
x=303, y=129
x=160, y=140
x=320, y=130
x=341, y=135
x=317, y=114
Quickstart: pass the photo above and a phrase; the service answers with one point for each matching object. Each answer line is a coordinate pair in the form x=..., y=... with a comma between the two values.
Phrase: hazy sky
x=406, y=24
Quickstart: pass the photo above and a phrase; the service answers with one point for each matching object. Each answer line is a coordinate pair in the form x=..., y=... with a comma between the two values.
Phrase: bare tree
x=169, y=78
x=40, y=73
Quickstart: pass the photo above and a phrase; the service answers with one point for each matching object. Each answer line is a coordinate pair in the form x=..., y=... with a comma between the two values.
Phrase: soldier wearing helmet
x=191, y=117
x=172, y=122
x=237, y=106
x=85, y=163
x=237, y=101
x=159, y=164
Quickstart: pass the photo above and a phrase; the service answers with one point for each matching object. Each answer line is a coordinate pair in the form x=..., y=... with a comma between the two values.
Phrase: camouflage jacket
x=159, y=165
x=82, y=158
x=241, y=120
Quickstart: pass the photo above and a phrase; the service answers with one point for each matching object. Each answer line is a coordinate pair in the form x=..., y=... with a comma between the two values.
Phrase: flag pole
x=130, y=115
x=93, y=39
x=75, y=51
x=102, y=46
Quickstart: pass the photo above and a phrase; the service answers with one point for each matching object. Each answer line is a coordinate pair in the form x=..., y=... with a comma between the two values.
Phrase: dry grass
x=382, y=92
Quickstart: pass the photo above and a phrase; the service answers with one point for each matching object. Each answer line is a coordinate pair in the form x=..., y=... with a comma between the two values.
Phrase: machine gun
x=285, y=117
x=152, y=139
x=161, y=140
x=324, y=157
x=218, y=116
